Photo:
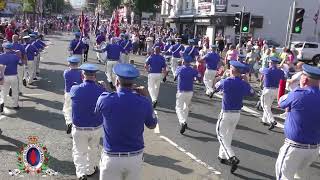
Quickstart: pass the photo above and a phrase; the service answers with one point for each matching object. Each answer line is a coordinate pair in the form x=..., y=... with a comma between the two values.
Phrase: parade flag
x=116, y=23
x=97, y=23
x=81, y=23
x=316, y=17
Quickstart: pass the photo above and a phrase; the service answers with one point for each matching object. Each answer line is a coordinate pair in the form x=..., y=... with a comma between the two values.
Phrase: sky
x=77, y=3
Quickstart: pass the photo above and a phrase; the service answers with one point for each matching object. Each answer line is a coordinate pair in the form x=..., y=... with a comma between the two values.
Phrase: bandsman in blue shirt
x=234, y=89
x=156, y=67
x=186, y=75
x=31, y=52
x=100, y=40
x=271, y=79
x=129, y=107
x=40, y=46
x=211, y=60
x=113, y=52
x=11, y=61
x=19, y=47
x=72, y=76
x=167, y=55
x=87, y=125
x=302, y=126
x=77, y=47
x=176, y=50
x=192, y=50
x=127, y=47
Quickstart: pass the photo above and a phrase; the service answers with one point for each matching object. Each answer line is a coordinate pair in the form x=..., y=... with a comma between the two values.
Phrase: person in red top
x=9, y=33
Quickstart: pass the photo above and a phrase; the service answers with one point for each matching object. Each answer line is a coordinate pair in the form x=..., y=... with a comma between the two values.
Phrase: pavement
x=168, y=154
x=41, y=116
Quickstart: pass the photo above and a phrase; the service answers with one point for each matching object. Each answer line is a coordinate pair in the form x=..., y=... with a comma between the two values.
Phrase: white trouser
x=125, y=58
x=208, y=80
x=85, y=150
x=10, y=81
x=182, y=105
x=267, y=98
x=154, y=80
x=293, y=161
x=174, y=65
x=225, y=128
x=121, y=168
x=111, y=77
x=31, y=73
x=37, y=61
x=20, y=77
x=67, y=108
x=99, y=55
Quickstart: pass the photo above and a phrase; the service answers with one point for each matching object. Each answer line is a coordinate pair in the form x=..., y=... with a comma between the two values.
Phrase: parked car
x=272, y=43
x=307, y=51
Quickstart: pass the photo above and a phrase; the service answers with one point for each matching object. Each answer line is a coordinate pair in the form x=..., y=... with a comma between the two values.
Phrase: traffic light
x=237, y=22
x=297, y=20
x=246, y=20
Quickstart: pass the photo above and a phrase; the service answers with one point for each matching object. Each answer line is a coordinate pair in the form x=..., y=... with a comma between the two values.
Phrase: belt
x=113, y=59
x=231, y=111
x=124, y=154
x=87, y=128
x=299, y=145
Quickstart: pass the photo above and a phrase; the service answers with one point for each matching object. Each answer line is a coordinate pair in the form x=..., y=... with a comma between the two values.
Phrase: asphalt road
x=256, y=147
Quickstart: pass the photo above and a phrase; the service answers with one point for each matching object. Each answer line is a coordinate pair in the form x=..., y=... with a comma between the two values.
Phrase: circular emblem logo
x=33, y=157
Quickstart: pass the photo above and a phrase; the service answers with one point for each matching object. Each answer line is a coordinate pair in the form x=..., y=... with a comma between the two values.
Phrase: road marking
x=254, y=113
x=193, y=157
x=36, y=94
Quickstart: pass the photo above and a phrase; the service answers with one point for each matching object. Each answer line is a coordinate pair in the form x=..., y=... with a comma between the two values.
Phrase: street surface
x=169, y=155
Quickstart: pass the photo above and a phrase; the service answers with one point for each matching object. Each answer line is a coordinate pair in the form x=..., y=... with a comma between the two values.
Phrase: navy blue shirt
x=100, y=38
x=75, y=48
x=191, y=51
x=156, y=63
x=19, y=47
x=113, y=51
x=71, y=77
x=176, y=49
x=11, y=60
x=41, y=43
x=186, y=75
x=166, y=49
x=272, y=77
x=31, y=51
x=212, y=60
x=38, y=45
x=234, y=89
x=126, y=45
x=124, y=115
x=302, y=124
x=84, y=98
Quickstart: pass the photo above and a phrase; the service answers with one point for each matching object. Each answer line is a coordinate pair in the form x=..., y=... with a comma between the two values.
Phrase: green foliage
x=57, y=6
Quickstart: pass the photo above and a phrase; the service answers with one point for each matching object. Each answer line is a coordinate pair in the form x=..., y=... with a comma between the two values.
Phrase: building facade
x=213, y=18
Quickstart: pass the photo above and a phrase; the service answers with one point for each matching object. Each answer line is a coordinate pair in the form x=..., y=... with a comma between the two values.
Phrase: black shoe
x=24, y=82
x=211, y=95
x=164, y=79
x=233, y=168
x=222, y=161
x=84, y=177
x=35, y=79
x=16, y=108
x=95, y=171
x=0, y=131
x=183, y=128
x=20, y=93
x=265, y=124
x=69, y=127
x=10, y=92
x=154, y=104
x=272, y=125
x=37, y=73
x=234, y=160
x=1, y=107
x=175, y=78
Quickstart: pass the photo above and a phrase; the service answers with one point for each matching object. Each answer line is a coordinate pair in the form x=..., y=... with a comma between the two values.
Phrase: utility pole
x=291, y=25
x=288, y=27
x=240, y=36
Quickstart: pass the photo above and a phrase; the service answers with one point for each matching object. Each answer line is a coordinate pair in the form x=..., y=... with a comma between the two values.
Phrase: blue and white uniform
x=72, y=76
x=175, y=50
x=125, y=113
x=212, y=60
x=186, y=75
x=127, y=48
x=77, y=47
x=155, y=65
x=234, y=90
x=11, y=61
x=301, y=129
x=87, y=126
x=191, y=50
x=113, y=51
x=31, y=52
x=39, y=45
x=19, y=47
x=271, y=79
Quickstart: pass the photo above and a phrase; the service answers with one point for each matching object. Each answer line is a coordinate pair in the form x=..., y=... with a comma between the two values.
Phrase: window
x=309, y=45
x=187, y=4
x=299, y=45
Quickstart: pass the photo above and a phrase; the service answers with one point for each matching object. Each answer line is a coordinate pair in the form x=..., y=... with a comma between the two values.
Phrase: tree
x=146, y=5
x=110, y=5
x=57, y=6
